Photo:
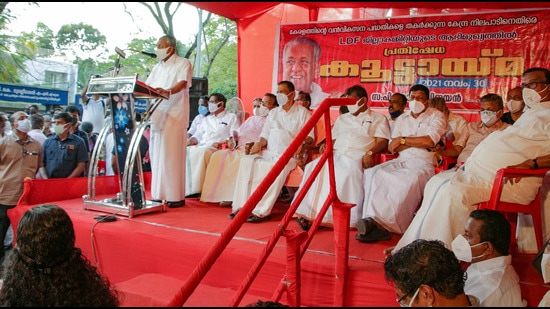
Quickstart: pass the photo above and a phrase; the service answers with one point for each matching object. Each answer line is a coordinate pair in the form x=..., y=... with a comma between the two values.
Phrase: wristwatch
x=403, y=141
x=369, y=153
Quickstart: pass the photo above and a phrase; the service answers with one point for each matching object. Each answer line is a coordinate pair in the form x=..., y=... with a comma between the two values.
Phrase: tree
x=87, y=38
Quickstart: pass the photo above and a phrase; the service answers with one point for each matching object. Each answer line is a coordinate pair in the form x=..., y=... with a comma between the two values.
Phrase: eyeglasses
x=400, y=300
x=532, y=85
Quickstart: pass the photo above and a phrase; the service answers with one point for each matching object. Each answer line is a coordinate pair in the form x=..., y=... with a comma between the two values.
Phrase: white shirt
x=495, y=283
x=94, y=112
x=216, y=128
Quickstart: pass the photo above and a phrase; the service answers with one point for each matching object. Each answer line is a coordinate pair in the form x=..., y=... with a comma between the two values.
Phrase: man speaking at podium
x=171, y=77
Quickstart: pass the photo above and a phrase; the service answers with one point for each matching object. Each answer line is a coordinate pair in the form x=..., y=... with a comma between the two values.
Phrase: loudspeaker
x=198, y=88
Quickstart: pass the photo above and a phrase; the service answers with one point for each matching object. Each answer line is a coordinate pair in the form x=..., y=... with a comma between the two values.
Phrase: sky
x=107, y=17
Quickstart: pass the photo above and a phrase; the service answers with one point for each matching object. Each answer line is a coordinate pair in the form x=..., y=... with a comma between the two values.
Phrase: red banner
x=460, y=57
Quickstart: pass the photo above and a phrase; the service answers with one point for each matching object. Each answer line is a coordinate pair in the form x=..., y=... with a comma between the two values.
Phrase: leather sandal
x=303, y=223
x=233, y=214
x=377, y=234
x=255, y=219
x=365, y=226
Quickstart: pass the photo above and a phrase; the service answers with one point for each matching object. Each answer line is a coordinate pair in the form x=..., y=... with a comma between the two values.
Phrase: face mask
x=416, y=107
x=531, y=97
x=355, y=107
x=213, y=107
x=24, y=125
x=203, y=110
x=282, y=99
x=489, y=118
x=161, y=53
x=395, y=114
x=261, y=111
x=59, y=129
x=463, y=250
x=514, y=106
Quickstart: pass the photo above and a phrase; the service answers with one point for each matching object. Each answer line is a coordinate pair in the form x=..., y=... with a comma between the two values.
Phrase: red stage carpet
x=165, y=248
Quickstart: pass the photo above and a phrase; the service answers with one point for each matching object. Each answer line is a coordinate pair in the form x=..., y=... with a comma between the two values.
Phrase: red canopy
x=257, y=27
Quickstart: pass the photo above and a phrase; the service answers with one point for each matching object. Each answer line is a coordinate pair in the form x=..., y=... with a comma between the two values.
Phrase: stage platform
x=171, y=244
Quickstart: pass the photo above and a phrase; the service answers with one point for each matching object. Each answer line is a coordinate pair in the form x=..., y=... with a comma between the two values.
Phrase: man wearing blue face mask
x=526, y=144
x=393, y=189
x=281, y=127
x=20, y=158
x=397, y=102
x=213, y=132
x=219, y=181
x=484, y=244
x=203, y=112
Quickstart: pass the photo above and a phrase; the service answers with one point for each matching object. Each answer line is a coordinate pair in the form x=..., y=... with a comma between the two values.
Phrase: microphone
x=152, y=55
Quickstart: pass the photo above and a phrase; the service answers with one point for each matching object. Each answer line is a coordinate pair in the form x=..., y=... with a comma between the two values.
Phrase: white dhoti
x=448, y=200
x=253, y=170
x=219, y=181
x=393, y=191
x=348, y=173
x=197, y=160
x=167, y=150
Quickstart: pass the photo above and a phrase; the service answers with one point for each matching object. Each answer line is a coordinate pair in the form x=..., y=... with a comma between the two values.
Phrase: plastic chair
x=510, y=210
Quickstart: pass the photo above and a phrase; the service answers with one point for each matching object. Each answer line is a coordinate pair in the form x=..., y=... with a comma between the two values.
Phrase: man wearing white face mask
x=20, y=157
x=526, y=144
x=281, y=127
x=515, y=104
x=491, y=276
x=215, y=129
x=357, y=136
x=65, y=154
x=393, y=189
x=172, y=76
x=221, y=173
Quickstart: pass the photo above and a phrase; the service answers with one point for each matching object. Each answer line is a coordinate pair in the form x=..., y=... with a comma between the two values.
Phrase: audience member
x=393, y=189
x=65, y=155
x=37, y=123
x=75, y=125
x=3, y=124
x=171, y=76
x=523, y=145
x=88, y=128
x=93, y=109
x=236, y=106
x=282, y=125
x=219, y=181
x=20, y=158
x=357, y=136
x=398, y=101
x=213, y=132
x=545, y=271
x=45, y=268
x=427, y=274
x=203, y=112
x=515, y=104
x=456, y=123
x=266, y=303
x=300, y=63
x=47, y=126
x=32, y=109
x=484, y=244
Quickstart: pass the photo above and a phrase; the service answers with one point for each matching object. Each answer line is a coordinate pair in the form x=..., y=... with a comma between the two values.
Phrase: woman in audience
x=45, y=268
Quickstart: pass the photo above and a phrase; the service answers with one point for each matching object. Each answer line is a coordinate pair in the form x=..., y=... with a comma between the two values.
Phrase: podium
x=130, y=201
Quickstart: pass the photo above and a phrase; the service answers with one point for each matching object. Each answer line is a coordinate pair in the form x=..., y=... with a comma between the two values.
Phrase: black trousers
x=4, y=224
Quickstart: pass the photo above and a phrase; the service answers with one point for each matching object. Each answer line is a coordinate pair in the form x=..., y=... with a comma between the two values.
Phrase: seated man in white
x=281, y=127
x=526, y=144
x=456, y=123
x=393, y=189
x=357, y=136
x=485, y=244
x=214, y=130
x=219, y=181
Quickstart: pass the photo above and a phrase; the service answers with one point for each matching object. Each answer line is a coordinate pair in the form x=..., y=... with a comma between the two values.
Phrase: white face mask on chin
x=355, y=107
